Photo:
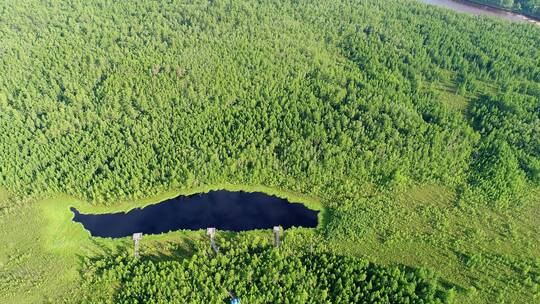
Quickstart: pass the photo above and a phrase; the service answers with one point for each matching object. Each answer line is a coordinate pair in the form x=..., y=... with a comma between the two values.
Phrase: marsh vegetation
x=416, y=129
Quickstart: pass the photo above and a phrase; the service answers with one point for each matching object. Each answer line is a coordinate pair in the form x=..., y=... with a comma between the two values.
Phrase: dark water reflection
x=233, y=211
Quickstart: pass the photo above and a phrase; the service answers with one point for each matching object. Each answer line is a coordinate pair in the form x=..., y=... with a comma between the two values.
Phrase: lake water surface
x=478, y=9
x=224, y=210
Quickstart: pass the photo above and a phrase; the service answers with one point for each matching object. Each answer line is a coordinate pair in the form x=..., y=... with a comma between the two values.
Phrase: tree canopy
x=258, y=273
x=117, y=100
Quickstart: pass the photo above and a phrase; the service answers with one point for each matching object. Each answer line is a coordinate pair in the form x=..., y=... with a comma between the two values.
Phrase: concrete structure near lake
x=136, y=238
x=211, y=232
x=277, y=231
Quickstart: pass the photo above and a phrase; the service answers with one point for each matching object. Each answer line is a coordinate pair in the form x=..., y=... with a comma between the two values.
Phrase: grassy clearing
x=485, y=255
x=29, y=271
x=448, y=94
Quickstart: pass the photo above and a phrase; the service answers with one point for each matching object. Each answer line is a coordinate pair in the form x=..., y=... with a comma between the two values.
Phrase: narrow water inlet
x=225, y=210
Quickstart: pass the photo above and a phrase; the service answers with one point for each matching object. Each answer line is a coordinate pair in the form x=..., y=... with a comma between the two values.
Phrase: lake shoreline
x=528, y=17
x=479, y=8
x=233, y=211
x=524, y=14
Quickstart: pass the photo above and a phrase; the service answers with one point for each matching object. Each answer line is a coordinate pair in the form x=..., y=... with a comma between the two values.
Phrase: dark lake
x=224, y=210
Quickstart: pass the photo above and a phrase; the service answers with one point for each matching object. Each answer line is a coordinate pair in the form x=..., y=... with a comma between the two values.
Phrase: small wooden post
x=277, y=231
x=136, y=238
x=212, y=233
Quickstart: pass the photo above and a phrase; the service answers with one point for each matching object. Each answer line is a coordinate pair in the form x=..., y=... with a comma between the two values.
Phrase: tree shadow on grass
x=101, y=250
x=172, y=251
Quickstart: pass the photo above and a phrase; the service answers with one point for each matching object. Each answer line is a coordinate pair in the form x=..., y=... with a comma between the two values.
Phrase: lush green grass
x=484, y=255
x=31, y=271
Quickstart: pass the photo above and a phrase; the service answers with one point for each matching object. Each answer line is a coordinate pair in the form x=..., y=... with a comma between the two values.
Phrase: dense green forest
x=109, y=100
x=258, y=273
x=530, y=7
x=362, y=104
